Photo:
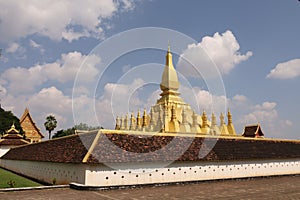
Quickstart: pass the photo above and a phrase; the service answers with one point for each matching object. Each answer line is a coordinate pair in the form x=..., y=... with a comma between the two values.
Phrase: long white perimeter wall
x=63, y=173
x=100, y=175
x=193, y=171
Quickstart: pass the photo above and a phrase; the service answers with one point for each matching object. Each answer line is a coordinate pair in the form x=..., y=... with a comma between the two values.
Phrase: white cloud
x=117, y=99
x=3, y=91
x=35, y=45
x=55, y=19
x=42, y=103
x=51, y=99
x=265, y=114
x=13, y=47
x=286, y=70
x=222, y=49
x=66, y=68
x=261, y=115
x=96, y=112
x=17, y=50
x=210, y=102
x=20, y=80
x=243, y=111
x=266, y=106
x=123, y=97
x=71, y=35
x=240, y=98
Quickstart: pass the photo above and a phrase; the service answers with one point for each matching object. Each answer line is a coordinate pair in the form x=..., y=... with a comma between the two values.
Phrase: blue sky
x=255, y=45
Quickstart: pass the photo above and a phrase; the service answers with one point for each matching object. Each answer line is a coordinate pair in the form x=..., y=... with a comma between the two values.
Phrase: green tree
x=84, y=126
x=71, y=131
x=50, y=124
x=62, y=132
x=7, y=118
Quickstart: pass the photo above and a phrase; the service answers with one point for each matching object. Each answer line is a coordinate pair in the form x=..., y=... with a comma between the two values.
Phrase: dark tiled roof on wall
x=132, y=148
x=118, y=148
x=70, y=149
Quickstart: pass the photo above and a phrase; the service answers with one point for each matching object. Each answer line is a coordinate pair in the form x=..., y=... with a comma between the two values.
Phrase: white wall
x=191, y=172
x=4, y=149
x=100, y=175
x=64, y=173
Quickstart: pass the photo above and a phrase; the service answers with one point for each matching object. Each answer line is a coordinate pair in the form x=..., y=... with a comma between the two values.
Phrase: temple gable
x=32, y=132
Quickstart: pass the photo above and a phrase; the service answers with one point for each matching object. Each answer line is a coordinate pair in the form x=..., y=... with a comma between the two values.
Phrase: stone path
x=284, y=187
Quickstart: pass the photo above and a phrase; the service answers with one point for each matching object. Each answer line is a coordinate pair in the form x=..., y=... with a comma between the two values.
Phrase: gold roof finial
x=229, y=113
x=169, y=62
x=229, y=117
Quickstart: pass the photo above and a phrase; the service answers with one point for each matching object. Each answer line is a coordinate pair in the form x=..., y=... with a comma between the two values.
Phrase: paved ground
x=285, y=187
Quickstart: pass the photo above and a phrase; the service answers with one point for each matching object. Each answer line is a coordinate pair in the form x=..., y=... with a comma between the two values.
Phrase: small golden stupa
x=171, y=114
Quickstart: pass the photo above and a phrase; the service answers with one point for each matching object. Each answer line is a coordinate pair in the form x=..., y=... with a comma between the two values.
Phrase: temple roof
x=253, y=131
x=12, y=130
x=113, y=147
x=12, y=137
x=25, y=115
x=12, y=142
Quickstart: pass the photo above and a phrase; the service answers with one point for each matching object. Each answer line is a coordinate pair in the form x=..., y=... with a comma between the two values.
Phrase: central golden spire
x=169, y=82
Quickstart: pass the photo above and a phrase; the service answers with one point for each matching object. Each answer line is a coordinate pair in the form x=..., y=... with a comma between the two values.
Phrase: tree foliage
x=50, y=124
x=86, y=127
x=62, y=132
x=71, y=131
x=7, y=118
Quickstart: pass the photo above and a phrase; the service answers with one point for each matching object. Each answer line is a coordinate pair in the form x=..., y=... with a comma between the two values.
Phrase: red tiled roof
x=118, y=148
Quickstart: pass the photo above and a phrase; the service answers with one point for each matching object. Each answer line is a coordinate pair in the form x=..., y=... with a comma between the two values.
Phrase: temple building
x=10, y=139
x=32, y=132
x=171, y=114
x=253, y=131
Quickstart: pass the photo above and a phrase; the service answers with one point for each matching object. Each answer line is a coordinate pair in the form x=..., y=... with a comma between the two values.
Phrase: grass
x=9, y=179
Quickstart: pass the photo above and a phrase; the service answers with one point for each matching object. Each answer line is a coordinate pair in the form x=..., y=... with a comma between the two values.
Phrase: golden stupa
x=171, y=114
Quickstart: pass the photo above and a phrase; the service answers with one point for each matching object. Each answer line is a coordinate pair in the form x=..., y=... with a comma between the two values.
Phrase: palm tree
x=50, y=124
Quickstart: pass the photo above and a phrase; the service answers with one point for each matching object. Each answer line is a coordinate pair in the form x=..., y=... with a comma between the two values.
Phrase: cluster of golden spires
x=161, y=123
x=171, y=114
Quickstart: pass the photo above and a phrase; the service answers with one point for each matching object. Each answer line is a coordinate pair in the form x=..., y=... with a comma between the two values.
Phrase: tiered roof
x=12, y=138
